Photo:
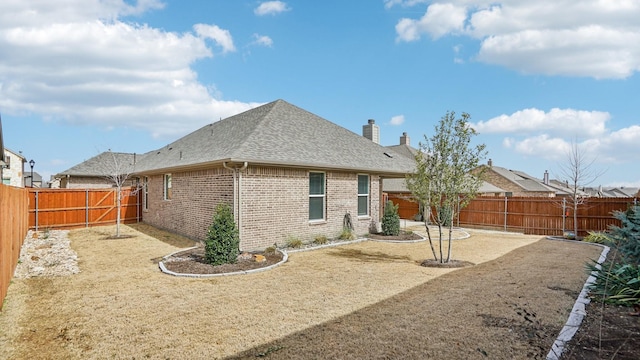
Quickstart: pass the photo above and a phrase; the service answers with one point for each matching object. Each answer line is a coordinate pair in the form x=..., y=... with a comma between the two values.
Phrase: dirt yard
x=364, y=300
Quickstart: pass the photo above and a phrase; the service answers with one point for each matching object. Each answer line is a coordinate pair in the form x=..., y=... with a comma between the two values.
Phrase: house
x=95, y=172
x=286, y=173
x=35, y=183
x=516, y=183
x=12, y=168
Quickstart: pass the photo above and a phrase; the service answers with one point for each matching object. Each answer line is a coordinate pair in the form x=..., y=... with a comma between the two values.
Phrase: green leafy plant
x=294, y=242
x=597, y=237
x=320, y=240
x=222, y=245
x=346, y=234
x=619, y=284
x=391, y=219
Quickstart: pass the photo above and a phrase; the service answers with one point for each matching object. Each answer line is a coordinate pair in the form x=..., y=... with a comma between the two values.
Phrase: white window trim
x=167, y=183
x=368, y=195
x=323, y=196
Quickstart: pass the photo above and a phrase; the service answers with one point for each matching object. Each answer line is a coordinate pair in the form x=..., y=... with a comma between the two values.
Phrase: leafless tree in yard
x=117, y=169
x=578, y=171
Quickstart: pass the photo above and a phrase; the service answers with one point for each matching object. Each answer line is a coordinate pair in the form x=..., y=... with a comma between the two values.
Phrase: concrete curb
x=578, y=312
x=164, y=269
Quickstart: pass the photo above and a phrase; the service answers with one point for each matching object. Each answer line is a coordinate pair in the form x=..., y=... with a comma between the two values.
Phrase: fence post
x=564, y=215
x=86, y=208
x=36, y=205
x=506, y=200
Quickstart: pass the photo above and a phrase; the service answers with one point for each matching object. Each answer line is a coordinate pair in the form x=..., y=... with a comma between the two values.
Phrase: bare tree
x=443, y=179
x=117, y=169
x=578, y=171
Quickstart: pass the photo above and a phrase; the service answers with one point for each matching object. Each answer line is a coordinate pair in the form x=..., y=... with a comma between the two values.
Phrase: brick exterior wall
x=274, y=204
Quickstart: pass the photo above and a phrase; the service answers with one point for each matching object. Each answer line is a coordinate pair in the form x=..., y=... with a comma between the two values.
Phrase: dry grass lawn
x=365, y=300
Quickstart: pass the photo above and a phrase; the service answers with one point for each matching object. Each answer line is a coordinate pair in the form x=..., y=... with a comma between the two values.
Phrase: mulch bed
x=193, y=261
x=404, y=236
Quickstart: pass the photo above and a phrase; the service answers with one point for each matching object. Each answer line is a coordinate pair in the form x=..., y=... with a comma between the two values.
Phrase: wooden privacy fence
x=73, y=208
x=13, y=230
x=530, y=215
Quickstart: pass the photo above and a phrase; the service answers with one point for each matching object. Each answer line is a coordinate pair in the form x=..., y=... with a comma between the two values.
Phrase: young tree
x=117, y=169
x=578, y=171
x=443, y=179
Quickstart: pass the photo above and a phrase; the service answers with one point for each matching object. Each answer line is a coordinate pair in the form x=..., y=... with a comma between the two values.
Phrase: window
x=363, y=195
x=316, y=196
x=167, y=186
x=145, y=193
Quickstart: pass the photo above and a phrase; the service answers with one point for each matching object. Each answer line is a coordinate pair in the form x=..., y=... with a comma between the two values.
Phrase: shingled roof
x=102, y=165
x=278, y=134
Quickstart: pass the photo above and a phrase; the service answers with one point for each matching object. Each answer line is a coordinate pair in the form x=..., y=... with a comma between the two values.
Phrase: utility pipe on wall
x=237, y=194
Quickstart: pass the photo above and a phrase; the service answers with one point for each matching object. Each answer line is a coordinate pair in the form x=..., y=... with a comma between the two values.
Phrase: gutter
x=237, y=193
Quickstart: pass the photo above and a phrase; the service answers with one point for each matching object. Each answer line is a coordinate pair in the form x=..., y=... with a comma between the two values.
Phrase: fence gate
x=73, y=208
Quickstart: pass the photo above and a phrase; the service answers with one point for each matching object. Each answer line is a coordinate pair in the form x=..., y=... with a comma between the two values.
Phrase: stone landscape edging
x=578, y=311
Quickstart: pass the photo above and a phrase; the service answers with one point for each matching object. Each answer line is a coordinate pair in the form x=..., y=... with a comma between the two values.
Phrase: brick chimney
x=371, y=131
x=404, y=139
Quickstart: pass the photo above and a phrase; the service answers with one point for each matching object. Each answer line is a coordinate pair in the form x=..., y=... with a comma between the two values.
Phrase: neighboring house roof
x=405, y=150
x=277, y=133
x=36, y=177
x=521, y=179
x=102, y=164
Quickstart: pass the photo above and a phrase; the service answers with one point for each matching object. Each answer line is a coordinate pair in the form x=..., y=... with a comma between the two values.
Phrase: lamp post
x=32, y=163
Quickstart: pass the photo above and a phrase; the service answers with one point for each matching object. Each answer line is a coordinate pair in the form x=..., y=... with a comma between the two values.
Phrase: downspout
x=244, y=167
x=237, y=194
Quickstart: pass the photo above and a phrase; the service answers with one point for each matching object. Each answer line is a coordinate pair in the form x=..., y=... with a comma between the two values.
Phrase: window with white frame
x=316, y=196
x=145, y=193
x=167, y=187
x=363, y=195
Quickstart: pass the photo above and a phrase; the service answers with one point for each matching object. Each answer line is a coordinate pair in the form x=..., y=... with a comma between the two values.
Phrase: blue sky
x=78, y=77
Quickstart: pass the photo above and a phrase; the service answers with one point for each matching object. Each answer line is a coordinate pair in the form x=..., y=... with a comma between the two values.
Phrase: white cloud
x=549, y=135
x=397, y=120
x=439, y=20
x=64, y=62
x=271, y=8
x=220, y=36
x=589, y=38
x=262, y=40
x=562, y=122
x=404, y=3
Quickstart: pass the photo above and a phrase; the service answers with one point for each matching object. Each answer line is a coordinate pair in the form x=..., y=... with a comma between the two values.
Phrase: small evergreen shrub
x=445, y=214
x=294, y=242
x=320, y=240
x=390, y=220
x=222, y=245
x=626, y=238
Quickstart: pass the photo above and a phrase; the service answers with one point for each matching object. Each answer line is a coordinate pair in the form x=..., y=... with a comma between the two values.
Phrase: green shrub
x=222, y=245
x=346, y=234
x=617, y=284
x=626, y=238
x=294, y=242
x=320, y=240
x=445, y=215
x=390, y=220
x=597, y=237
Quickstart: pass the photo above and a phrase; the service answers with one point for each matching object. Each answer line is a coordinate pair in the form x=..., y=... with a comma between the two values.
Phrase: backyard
x=363, y=300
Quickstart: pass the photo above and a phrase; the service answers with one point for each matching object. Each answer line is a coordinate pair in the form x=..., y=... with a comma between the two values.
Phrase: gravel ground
x=47, y=253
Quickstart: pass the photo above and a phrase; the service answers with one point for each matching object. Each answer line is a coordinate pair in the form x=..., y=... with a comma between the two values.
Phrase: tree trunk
x=118, y=201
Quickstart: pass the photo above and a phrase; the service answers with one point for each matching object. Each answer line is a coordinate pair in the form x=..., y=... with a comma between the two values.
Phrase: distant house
x=35, y=183
x=286, y=172
x=12, y=171
x=516, y=183
x=94, y=173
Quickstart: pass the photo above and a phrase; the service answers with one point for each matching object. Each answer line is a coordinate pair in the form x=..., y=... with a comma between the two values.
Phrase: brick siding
x=275, y=204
